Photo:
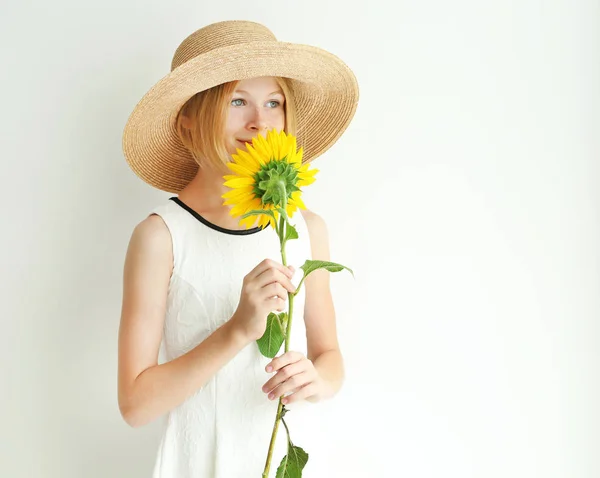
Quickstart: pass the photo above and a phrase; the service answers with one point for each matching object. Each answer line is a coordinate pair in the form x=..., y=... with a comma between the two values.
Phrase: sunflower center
x=275, y=182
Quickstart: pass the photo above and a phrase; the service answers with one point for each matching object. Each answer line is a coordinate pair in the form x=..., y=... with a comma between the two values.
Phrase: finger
x=305, y=392
x=274, y=275
x=273, y=290
x=283, y=360
x=268, y=264
x=292, y=383
x=280, y=305
x=283, y=375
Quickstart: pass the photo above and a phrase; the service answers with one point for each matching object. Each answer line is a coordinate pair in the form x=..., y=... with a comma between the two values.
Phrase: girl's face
x=255, y=107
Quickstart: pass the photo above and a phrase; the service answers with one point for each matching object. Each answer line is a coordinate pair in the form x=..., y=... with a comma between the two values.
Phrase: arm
x=319, y=314
x=319, y=375
x=147, y=390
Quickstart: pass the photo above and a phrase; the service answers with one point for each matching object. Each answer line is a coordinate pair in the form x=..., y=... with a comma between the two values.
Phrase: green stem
x=299, y=285
x=287, y=430
x=272, y=444
x=289, y=323
x=282, y=224
x=287, y=345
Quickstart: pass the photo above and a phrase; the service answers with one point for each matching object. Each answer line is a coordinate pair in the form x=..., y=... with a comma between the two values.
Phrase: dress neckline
x=235, y=232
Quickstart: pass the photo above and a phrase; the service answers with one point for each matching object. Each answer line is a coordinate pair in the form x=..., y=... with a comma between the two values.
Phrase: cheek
x=235, y=120
x=279, y=119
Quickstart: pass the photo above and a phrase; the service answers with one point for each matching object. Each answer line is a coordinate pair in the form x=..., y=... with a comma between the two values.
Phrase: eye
x=237, y=99
x=277, y=103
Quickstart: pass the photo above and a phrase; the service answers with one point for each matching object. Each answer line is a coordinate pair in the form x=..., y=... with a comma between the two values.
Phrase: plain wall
x=464, y=195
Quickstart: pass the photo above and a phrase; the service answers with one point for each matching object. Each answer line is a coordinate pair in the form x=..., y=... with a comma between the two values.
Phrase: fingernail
x=269, y=368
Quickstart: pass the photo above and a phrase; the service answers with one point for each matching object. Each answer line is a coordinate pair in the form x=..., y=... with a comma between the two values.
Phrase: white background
x=464, y=195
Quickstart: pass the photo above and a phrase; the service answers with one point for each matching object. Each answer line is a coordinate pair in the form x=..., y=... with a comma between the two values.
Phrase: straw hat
x=324, y=88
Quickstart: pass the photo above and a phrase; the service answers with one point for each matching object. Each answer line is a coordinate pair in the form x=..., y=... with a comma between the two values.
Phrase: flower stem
x=287, y=346
x=272, y=444
x=291, y=296
x=299, y=285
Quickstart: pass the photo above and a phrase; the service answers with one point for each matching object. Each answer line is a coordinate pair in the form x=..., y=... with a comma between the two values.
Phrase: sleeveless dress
x=224, y=429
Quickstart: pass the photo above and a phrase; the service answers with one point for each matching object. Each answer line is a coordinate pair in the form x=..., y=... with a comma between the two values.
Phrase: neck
x=205, y=190
x=203, y=195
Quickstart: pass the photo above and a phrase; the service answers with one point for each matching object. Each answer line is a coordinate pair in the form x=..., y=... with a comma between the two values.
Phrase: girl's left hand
x=296, y=374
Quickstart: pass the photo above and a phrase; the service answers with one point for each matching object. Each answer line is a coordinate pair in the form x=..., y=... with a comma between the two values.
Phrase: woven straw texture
x=324, y=88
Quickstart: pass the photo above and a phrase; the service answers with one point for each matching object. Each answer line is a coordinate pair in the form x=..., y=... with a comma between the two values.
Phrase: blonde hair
x=201, y=122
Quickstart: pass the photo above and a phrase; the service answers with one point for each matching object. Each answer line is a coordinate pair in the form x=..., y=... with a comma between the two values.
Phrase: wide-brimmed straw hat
x=324, y=88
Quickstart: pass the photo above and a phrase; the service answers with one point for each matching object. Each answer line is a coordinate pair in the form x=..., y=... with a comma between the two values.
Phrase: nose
x=257, y=122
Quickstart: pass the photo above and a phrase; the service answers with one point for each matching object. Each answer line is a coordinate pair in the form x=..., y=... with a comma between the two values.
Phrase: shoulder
x=151, y=239
x=152, y=229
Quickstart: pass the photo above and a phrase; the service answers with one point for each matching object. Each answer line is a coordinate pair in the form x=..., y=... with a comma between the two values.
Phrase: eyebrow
x=273, y=93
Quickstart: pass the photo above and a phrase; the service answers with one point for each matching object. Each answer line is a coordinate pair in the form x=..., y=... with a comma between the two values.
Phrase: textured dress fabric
x=223, y=430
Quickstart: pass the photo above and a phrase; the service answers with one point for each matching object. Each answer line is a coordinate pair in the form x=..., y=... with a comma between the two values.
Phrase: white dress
x=223, y=430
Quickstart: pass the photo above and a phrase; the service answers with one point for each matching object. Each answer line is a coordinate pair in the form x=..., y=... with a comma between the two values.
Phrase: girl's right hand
x=264, y=290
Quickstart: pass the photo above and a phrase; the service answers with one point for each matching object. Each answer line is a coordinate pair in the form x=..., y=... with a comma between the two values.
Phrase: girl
x=197, y=286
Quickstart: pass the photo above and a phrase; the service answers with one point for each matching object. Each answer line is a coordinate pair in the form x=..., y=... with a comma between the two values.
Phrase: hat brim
x=325, y=92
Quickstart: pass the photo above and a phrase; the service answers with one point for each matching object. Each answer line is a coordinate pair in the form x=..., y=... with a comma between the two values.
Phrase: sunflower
x=267, y=176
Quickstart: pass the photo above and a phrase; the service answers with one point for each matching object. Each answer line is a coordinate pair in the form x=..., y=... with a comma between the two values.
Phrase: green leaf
x=270, y=343
x=311, y=266
x=292, y=464
x=290, y=232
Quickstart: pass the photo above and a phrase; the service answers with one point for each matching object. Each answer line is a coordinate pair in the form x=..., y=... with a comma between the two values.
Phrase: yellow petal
x=290, y=209
x=239, y=200
x=238, y=192
x=238, y=182
x=295, y=159
x=306, y=168
x=248, y=222
x=240, y=169
x=273, y=138
x=296, y=200
x=239, y=210
x=243, y=208
x=258, y=156
x=262, y=147
x=307, y=174
x=290, y=149
x=263, y=221
x=260, y=140
x=249, y=161
x=305, y=182
x=282, y=141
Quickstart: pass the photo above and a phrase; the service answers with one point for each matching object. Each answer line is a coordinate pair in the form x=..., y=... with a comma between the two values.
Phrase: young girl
x=198, y=284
